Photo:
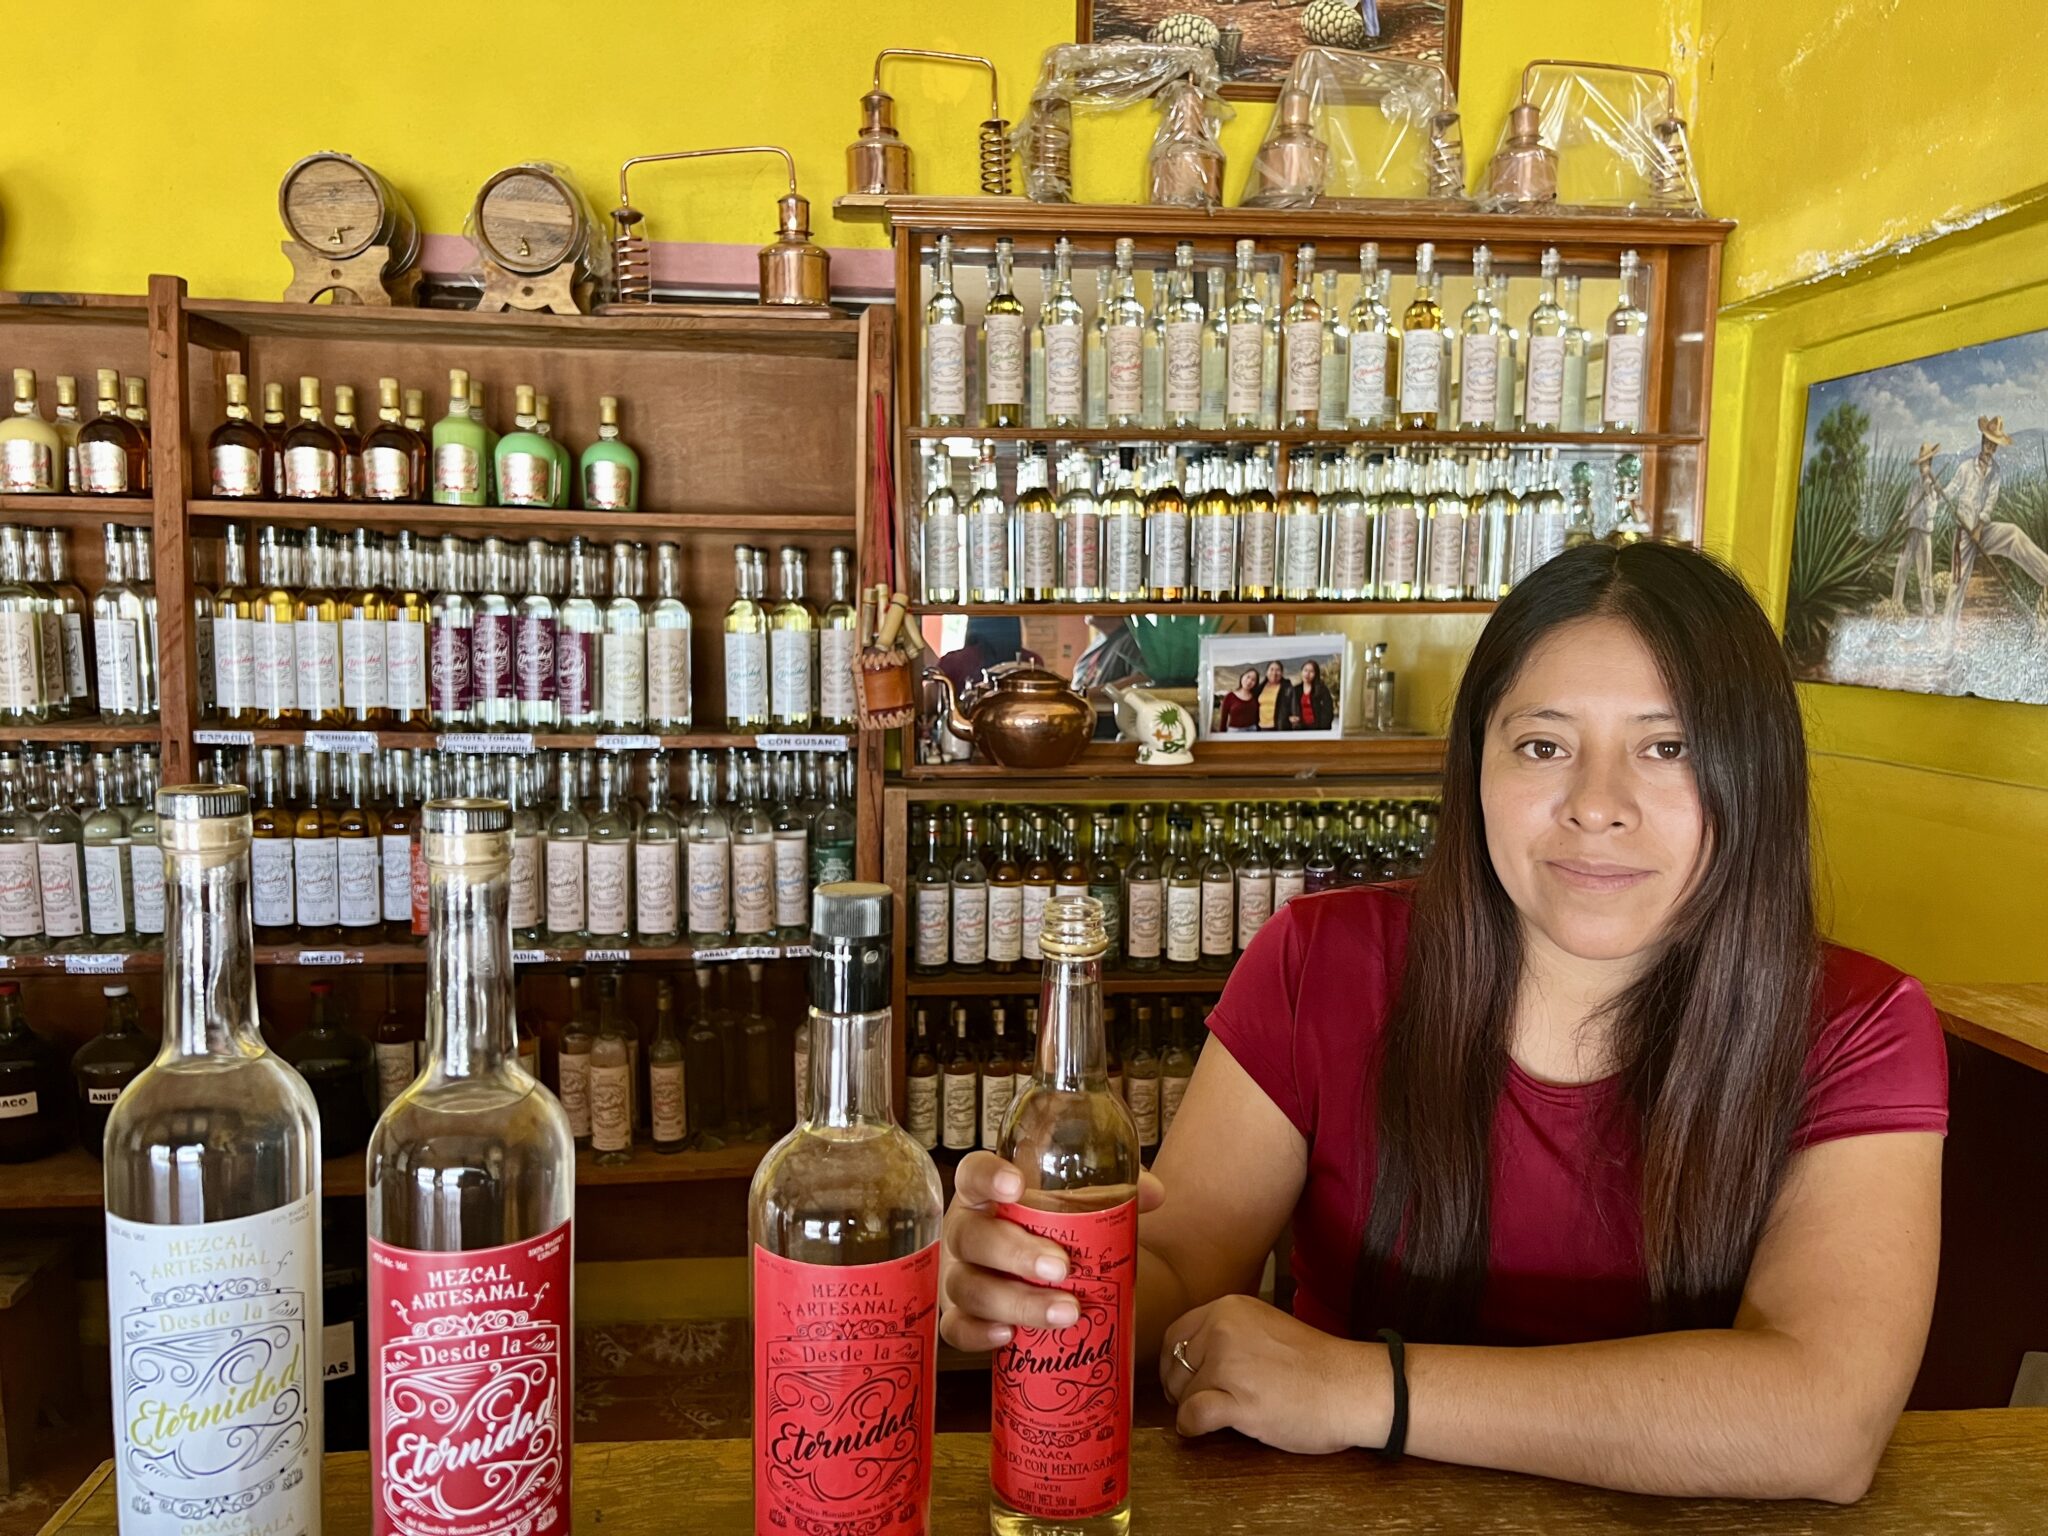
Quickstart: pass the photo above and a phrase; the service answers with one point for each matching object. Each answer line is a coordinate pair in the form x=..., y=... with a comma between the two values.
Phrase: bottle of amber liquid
x=1076, y=1147
x=113, y=453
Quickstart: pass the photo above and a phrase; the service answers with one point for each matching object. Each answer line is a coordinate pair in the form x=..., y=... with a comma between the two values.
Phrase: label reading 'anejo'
x=844, y=1373
x=469, y=1388
x=1060, y=1421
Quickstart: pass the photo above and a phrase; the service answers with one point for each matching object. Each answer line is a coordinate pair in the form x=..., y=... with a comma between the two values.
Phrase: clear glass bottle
x=1422, y=348
x=1449, y=517
x=611, y=1080
x=921, y=1084
x=117, y=617
x=407, y=632
x=608, y=862
x=834, y=835
x=579, y=634
x=1375, y=349
x=707, y=859
x=746, y=650
x=1064, y=323
x=838, y=647
x=792, y=647
x=668, y=1118
x=1184, y=899
x=21, y=887
x=1540, y=521
x=534, y=663
x=959, y=1088
x=657, y=863
x=109, y=898
x=1096, y=344
x=1624, y=396
x=1215, y=354
x=316, y=856
x=1258, y=542
x=72, y=608
x=970, y=902
x=60, y=863
x=1489, y=554
x=1141, y=1079
x=475, y=1158
x=940, y=531
x=1105, y=876
x=845, y=1192
x=753, y=861
x=49, y=629
x=145, y=857
x=1213, y=531
x=568, y=832
x=623, y=666
x=1039, y=875
x=1302, y=536
x=1077, y=1150
x=1123, y=344
x=1123, y=532
x=1336, y=363
x=931, y=906
x=1004, y=360
x=1144, y=899
x=1035, y=530
x=1181, y=346
x=988, y=534
x=1578, y=350
x=945, y=348
x=213, y=1178
x=1397, y=548
x=1544, y=392
x=1254, y=881
x=1176, y=1069
x=792, y=853
x=23, y=691
x=1219, y=899
x=365, y=626
x=1077, y=517
x=1155, y=349
x=1166, y=536
x=998, y=1080
x=1303, y=344
x=1246, y=344
x=572, y=1058
x=1482, y=350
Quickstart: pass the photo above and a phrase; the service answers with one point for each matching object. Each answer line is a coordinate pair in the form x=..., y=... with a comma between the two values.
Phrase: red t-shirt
x=1301, y=1012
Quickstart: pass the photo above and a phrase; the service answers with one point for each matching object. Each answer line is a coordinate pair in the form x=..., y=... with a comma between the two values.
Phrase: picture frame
x=1269, y=33
x=1237, y=672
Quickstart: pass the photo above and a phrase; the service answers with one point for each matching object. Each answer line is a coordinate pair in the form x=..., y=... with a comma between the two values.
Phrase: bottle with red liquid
x=471, y=1190
x=844, y=1221
x=1060, y=1417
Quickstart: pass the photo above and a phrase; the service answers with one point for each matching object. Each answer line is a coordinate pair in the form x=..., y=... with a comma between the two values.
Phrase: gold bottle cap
x=415, y=402
x=608, y=410
x=67, y=389
x=309, y=392
x=387, y=394
x=273, y=398
x=543, y=409
x=24, y=383
x=476, y=394
x=134, y=389
x=238, y=389
x=344, y=400
x=109, y=380
x=458, y=383
x=522, y=400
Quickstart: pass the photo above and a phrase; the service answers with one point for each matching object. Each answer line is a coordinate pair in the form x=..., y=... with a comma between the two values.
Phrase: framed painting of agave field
x=1255, y=41
x=1920, y=552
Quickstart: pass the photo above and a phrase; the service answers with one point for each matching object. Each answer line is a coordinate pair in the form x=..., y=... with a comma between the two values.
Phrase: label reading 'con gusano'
x=470, y=1389
x=845, y=1358
x=1060, y=1419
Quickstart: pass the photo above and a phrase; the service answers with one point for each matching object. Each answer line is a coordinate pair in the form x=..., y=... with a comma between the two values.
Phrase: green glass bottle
x=610, y=472
x=565, y=462
x=525, y=461
x=461, y=465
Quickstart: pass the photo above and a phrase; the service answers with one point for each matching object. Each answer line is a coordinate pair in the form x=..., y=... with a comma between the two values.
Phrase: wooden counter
x=2010, y=1018
x=1960, y=1474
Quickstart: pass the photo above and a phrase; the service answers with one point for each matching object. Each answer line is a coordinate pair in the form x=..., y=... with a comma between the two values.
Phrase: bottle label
x=74, y=655
x=274, y=664
x=1005, y=922
x=668, y=676
x=1246, y=361
x=1171, y=1091
x=572, y=1077
x=1545, y=407
x=449, y=680
x=1032, y=922
x=1064, y=380
x=988, y=553
x=397, y=1066
x=311, y=474
x=106, y=895
x=471, y=1406
x=387, y=475
x=1254, y=907
x=1124, y=385
x=1141, y=1092
x=945, y=370
x=20, y=661
x=234, y=663
x=146, y=880
x=361, y=887
x=1003, y=380
x=607, y=486
x=1169, y=555
x=941, y=575
x=395, y=864
x=63, y=906
x=20, y=1106
x=491, y=643
x=1368, y=396
x=565, y=885
x=792, y=879
x=533, y=658
x=102, y=469
x=835, y=676
x=970, y=924
x=1403, y=524
x=1422, y=366
x=665, y=1101
x=832, y=860
x=27, y=468
x=457, y=471
x=1123, y=556
x=50, y=651
x=845, y=1377
x=576, y=672
x=746, y=676
x=611, y=1107
x=1218, y=926
x=1301, y=545
x=237, y=471
x=405, y=666
x=1622, y=401
x=1081, y=552
x=1038, y=568
x=1479, y=394
x=1142, y=927
x=317, y=881
x=998, y=1091
x=789, y=670
x=526, y=480
x=1446, y=555
x=961, y=1104
x=608, y=870
x=362, y=663
x=21, y=891
x=1216, y=554
x=103, y=1095
x=1350, y=554
x=934, y=917
x=1288, y=884
x=416, y=864
x=654, y=889
x=119, y=665
x=753, y=887
x=1183, y=923
x=709, y=873
x=1304, y=367
x=921, y=1111
x=1183, y=380
x=215, y=1382
x=1060, y=1418
x=270, y=882
x=1256, y=551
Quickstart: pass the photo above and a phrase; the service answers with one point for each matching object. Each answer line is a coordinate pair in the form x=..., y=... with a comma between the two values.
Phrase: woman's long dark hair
x=1712, y=1038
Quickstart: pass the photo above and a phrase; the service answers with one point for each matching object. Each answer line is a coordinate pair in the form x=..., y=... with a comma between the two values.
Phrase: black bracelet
x=1397, y=1435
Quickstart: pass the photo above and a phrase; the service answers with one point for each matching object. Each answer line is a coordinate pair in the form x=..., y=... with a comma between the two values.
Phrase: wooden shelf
x=328, y=956
x=1274, y=765
x=94, y=731
x=429, y=736
x=1204, y=609
x=1615, y=442
x=49, y=307
x=516, y=522
x=124, y=962
x=1027, y=982
x=79, y=511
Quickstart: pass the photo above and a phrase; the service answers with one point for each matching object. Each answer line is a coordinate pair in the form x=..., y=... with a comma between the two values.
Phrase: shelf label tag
x=509, y=744
x=223, y=738
x=95, y=965
x=330, y=957
x=629, y=743
x=740, y=952
x=529, y=956
x=796, y=951
x=601, y=956
x=824, y=741
x=342, y=742
x=6, y=962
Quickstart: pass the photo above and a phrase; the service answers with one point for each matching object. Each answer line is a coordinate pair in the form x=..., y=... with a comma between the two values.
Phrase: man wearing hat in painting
x=1972, y=494
x=1916, y=558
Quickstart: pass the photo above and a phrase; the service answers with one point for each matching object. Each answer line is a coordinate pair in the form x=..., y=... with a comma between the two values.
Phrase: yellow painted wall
x=1836, y=129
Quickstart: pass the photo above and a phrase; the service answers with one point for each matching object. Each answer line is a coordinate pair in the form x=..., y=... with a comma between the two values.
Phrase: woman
x=1313, y=708
x=1276, y=698
x=1648, y=1174
x=1238, y=710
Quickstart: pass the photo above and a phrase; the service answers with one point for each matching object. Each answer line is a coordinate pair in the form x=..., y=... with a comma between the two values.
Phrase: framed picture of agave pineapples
x=1920, y=550
x=1255, y=41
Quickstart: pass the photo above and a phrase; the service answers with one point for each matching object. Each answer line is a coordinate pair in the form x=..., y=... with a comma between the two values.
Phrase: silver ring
x=1180, y=1356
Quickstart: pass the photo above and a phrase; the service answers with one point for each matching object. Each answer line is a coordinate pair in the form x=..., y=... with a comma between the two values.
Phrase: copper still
x=1293, y=164
x=793, y=270
x=878, y=161
x=1187, y=165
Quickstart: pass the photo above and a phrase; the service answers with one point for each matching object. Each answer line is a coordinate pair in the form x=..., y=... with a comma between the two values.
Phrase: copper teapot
x=1021, y=716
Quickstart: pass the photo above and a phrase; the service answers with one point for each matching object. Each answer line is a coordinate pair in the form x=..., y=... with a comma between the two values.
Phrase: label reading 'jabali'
x=1060, y=1420
x=470, y=1388
x=844, y=1375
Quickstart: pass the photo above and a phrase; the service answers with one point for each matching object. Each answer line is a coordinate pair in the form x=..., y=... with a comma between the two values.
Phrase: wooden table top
x=1981, y=1473
x=2010, y=1018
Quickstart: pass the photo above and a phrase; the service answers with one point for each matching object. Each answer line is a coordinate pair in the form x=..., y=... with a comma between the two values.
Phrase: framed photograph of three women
x=1286, y=688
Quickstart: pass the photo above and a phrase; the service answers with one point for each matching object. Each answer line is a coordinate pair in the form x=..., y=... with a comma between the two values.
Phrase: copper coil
x=1670, y=167
x=995, y=158
x=632, y=266
x=1445, y=169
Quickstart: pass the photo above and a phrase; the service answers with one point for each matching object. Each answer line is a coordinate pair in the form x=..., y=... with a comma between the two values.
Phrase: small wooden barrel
x=340, y=207
x=530, y=221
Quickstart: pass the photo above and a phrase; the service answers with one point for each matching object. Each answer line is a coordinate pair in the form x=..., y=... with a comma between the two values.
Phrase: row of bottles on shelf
x=457, y=462
x=80, y=869
x=962, y=1077
x=1168, y=525
x=985, y=874
x=502, y=635
x=604, y=855
x=1243, y=361
x=107, y=455
x=64, y=656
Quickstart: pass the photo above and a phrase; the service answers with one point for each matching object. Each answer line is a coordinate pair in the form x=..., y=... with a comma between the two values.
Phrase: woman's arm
x=1797, y=1400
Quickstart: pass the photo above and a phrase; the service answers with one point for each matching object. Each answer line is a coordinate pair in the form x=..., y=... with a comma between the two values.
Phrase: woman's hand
x=1246, y=1366
x=995, y=1277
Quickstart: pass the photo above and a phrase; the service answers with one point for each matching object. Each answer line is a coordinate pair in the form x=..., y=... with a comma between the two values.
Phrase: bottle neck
x=470, y=1006
x=209, y=958
x=1072, y=1053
